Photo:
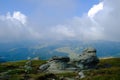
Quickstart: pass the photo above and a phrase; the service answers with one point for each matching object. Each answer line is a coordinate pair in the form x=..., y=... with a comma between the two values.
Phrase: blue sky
x=28, y=6
x=59, y=19
x=15, y=5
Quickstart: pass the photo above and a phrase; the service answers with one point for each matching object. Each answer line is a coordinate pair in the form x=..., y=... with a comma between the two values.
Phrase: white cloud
x=13, y=27
x=63, y=31
x=100, y=23
x=109, y=18
x=17, y=16
x=95, y=9
x=20, y=17
x=80, y=29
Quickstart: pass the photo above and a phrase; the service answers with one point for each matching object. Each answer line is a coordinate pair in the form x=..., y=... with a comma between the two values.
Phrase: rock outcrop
x=55, y=63
x=86, y=60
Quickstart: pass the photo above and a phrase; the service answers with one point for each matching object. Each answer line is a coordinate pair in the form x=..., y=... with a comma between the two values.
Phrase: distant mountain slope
x=45, y=50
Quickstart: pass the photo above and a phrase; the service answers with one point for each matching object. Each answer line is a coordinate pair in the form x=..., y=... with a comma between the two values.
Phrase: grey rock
x=44, y=67
x=62, y=59
x=58, y=63
x=81, y=74
x=86, y=60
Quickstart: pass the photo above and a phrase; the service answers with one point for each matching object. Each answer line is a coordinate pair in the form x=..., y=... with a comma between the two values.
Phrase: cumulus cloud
x=17, y=16
x=108, y=19
x=80, y=29
x=100, y=23
x=20, y=17
x=13, y=26
x=95, y=9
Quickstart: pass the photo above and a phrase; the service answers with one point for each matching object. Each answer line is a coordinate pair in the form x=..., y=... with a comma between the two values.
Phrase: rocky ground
x=108, y=69
x=86, y=60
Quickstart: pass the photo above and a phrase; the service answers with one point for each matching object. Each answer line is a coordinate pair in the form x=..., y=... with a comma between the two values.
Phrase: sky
x=83, y=20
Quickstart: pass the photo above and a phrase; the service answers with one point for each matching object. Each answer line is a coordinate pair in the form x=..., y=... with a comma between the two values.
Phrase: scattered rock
x=81, y=75
x=87, y=59
x=44, y=67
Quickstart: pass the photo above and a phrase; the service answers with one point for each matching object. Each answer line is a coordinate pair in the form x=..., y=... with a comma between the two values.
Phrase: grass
x=108, y=69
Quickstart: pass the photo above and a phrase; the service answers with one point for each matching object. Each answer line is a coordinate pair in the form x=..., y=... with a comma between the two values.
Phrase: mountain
x=2, y=60
x=45, y=49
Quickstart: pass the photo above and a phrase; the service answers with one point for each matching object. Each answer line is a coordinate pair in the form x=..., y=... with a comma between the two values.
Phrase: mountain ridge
x=45, y=50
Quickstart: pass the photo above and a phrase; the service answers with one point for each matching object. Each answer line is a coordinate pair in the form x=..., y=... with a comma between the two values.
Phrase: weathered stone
x=44, y=67
x=87, y=59
x=62, y=59
x=58, y=63
x=81, y=74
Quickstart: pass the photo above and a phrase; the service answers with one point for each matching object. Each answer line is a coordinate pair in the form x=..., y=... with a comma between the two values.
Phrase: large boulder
x=88, y=58
x=55, y=64
x=58, y=63
x=62, y=59
x=44, y=67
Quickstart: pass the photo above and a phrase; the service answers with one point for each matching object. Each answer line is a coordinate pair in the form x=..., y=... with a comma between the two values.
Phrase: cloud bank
x=13, y=27
x=100, y=23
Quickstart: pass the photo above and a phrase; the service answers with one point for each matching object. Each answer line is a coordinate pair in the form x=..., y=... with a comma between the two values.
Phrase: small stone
x=81, y=74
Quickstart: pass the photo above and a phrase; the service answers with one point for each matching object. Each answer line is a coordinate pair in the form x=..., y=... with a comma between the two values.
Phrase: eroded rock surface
x=86, y=60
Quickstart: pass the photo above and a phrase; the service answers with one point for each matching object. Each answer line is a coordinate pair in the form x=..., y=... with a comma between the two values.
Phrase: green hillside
x=108, y=69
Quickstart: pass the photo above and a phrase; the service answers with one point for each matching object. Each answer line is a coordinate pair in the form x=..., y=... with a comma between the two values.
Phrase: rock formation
x=86, y=60
x=55, y=63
